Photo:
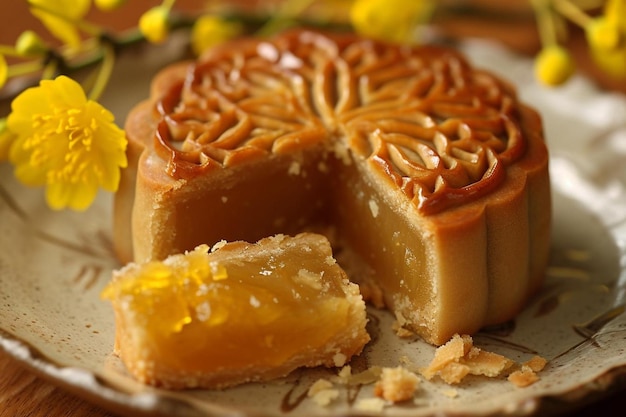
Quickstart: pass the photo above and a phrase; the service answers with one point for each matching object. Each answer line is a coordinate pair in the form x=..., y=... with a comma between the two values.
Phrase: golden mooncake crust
x=431, y=170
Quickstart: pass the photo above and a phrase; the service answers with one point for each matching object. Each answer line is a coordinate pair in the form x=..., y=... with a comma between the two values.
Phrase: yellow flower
x=29, y=43
x=602, y=34
x=210, y=30
x=607, y=39
x=108, y=5
x=154, y=24
x=4, y=71
x=615, y=11
x=554, y=65
x=65, y=142
x=59, y=17
x=391, y=20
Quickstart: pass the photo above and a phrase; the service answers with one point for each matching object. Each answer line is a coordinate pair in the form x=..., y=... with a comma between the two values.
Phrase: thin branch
x=104, y=73
x=572, y=12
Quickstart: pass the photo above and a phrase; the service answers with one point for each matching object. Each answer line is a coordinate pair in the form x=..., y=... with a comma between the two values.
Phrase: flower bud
x=554, y=65
x=154, y=24
x=390, y=20
x=606, y=36
x=210, y=30
x=29, y=43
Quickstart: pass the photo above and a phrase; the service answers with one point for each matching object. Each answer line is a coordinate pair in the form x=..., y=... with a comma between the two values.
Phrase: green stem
x=8, y=51
x=168, y=4
x=96, y=54
x=589, y=4
x=50, y=69
x=16, y=70
x=572, y=12
x=104, y=73
x=545, y=22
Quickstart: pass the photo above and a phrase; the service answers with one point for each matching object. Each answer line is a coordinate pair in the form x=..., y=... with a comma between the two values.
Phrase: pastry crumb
x=454, y=372
x=373, y=404
x=396, y=384
x=451, y=352
x=482, y=362
x=450, y=393
x=217, y=246
x=322, y=392
x=339, y=359
x=527, y=373
x=408, y=364
x=366, y=377
x=451, y=363
x=523, y=377
x=319, y=385
x=402, y=332
x=343, y=376
x=459, y=357
x=536, y=363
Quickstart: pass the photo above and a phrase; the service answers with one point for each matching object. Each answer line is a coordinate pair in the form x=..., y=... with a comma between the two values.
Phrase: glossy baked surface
x=443, y=132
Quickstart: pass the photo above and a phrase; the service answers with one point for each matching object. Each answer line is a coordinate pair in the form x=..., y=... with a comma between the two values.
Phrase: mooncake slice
x=237, y=313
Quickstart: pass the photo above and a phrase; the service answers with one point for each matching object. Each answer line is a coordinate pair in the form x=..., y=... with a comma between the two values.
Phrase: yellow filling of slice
x=240, y=307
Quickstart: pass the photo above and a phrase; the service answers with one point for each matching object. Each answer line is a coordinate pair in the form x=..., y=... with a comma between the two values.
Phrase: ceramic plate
x=53, y=266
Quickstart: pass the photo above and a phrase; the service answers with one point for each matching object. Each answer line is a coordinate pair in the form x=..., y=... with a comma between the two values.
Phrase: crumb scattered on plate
x=372, y=404
x=459, y=357
x=323, y=392
x=396, y=384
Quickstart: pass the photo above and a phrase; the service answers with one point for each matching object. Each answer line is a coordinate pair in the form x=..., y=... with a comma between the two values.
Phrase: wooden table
x=22, y=393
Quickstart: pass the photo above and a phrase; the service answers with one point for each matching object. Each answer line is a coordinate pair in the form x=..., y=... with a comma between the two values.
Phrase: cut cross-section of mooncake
x=240, y=312
x=431, y=173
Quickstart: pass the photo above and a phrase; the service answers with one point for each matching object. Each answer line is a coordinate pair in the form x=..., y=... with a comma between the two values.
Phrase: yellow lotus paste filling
x=240, y=308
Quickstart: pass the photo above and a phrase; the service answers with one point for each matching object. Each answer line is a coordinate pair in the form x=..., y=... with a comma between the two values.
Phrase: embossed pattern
x=441, y=132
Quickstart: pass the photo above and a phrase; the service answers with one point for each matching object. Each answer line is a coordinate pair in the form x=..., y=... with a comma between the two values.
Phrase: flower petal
x=65, y=142
x=58, y=17
x=65, y=92
x=75, y=196
x=7, y=138
x=4, y=71
x=30, y=177
x=30, y=102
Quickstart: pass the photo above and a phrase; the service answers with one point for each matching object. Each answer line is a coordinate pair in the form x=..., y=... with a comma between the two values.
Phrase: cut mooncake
x=432, y=175
x=241, y=312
